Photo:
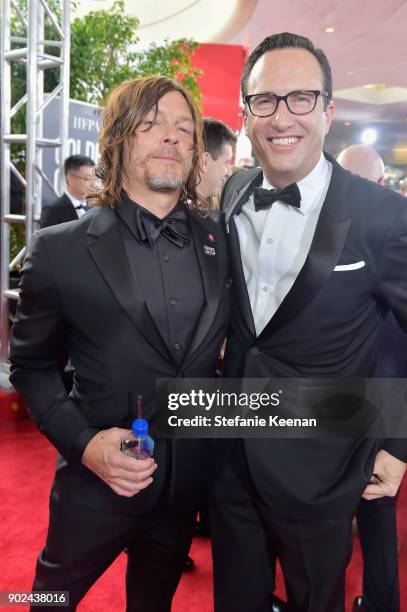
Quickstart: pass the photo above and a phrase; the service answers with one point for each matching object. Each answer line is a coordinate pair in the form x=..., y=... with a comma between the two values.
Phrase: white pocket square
x=352, y=266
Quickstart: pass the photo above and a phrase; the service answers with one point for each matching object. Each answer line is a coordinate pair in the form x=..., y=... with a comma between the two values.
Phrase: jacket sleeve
x=37, y=352
x=393, y=289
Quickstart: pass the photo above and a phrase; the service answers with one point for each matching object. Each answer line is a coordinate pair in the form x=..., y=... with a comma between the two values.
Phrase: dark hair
x=74, y=162
x=215, y=135
x=286, y=40
x=126, y=107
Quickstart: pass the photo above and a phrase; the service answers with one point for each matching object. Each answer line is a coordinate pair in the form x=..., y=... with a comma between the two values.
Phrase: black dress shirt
x=168, y=276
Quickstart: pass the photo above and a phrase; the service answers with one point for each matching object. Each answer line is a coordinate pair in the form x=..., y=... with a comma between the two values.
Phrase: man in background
x=80, y=181
x=376, y=518
x=218, y=140
x=364, y=161
x=403, y=187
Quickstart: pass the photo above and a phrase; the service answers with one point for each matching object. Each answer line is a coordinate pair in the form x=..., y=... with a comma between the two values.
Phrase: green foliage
x=172, y=59
x=101, y=55
x=17, y=240
x=104, y=54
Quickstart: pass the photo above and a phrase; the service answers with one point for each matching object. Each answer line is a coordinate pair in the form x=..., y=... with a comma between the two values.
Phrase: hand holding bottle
x=121, y=472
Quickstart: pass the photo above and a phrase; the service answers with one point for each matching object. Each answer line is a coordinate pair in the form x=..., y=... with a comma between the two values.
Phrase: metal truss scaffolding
x=29, y=50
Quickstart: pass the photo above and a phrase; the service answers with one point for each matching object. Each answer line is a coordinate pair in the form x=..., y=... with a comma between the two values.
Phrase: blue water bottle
x=140, y=446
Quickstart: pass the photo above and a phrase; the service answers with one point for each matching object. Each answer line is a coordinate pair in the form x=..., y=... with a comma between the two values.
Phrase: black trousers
x=247, y=537
x=82, y=543
x=378, y=539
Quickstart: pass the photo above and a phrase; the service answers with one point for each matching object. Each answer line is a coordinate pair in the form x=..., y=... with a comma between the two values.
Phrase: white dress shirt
x=274, y=243
x=78, y=205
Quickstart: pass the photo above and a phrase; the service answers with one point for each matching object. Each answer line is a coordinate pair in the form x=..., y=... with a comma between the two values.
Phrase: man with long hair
x=133, y=291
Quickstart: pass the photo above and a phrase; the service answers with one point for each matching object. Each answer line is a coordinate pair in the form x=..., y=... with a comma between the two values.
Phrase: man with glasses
x=318, y=259
x=80, y=182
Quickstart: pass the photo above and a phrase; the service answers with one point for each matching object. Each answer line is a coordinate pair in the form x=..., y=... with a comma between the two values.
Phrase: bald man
x=377, y=518
x=364, y=161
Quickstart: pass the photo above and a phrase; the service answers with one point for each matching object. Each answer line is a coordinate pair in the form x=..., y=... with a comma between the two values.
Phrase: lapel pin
x=209, y=250
x=211, y=237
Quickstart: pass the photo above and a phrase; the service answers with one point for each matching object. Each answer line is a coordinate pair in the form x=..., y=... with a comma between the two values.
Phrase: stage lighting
x=369, y=136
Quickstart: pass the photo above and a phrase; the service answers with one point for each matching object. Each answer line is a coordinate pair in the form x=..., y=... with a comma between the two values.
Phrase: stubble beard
x=165, y=184
x=166, y=179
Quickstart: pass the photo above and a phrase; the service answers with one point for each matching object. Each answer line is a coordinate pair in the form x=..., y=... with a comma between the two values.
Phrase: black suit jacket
x=78, y=290
x=327, y=326
x=58, y=211
x=392, y=358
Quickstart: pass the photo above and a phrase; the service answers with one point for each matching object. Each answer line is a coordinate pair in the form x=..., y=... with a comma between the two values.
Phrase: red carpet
x=27, y=464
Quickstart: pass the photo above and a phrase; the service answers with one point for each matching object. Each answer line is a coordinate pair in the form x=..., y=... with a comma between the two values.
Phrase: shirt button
x=270, y=241
x=177, y=346
x=166, y=258
x=265, y=289
x=172, y=302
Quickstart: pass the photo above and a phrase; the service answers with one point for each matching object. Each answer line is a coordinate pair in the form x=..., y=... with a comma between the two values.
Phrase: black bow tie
x=265, y=198
x=150, y=228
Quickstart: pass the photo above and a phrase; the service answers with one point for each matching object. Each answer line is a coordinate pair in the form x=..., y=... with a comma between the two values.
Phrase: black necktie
x=150, y=228
x=265, y=198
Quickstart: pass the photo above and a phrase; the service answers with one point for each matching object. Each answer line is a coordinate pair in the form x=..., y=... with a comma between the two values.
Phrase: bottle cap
x=140, y=427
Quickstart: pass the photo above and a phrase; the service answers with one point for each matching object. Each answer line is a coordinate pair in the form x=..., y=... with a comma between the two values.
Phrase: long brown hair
x=126, y=107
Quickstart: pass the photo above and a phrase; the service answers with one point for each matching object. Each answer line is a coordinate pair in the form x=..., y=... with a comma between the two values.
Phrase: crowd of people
x=302, y=271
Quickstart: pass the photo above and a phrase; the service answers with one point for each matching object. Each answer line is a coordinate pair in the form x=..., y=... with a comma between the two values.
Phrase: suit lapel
x=70, y=209
x=238, y=198
x=241, y=193
x=242, y=304
x=326, y=248
x=109, y=254
x=212, y=280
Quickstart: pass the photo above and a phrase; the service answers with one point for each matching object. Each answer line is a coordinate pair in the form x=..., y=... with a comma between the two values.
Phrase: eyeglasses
x=298, y=102
x=87, y=179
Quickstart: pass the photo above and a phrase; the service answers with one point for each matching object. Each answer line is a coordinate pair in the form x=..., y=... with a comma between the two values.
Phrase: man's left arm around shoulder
x=391, y=460
x=388, y=473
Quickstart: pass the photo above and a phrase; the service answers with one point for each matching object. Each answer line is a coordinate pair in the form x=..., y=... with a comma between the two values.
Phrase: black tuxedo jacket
x=392, y=358
x=58, y=211
x=327, y=326
x=78, y=290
